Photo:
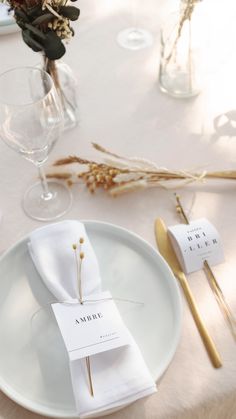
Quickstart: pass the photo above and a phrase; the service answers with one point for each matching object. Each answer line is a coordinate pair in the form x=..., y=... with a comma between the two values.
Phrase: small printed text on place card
x=196, y=242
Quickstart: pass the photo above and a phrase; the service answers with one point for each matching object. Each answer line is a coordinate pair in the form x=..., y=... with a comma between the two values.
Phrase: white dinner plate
x=7, y=21
x=34, y=369
x=7, y=29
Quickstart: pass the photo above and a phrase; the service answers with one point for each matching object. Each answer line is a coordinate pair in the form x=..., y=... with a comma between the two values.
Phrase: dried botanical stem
x=78, y=261
x=186, y=14
x=88, y=365
x=227, y=174
x=123, y=174
x=62, y=176
x=71, y=159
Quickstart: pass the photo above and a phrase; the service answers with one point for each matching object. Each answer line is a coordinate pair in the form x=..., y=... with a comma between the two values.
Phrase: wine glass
x=31, y=121
x=134, y=38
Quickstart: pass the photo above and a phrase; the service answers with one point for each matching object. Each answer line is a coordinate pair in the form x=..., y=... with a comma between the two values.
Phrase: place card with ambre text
x=92, y=327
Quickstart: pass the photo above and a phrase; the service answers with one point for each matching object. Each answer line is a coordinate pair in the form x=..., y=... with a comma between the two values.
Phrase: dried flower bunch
x=117, y=174
x=45, y=24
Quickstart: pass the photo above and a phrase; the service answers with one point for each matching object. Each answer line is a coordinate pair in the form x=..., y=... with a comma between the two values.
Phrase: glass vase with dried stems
x=65, y=83
x=46, y=26
x=180, y=73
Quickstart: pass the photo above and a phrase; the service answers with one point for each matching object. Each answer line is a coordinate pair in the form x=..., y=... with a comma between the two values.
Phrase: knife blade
x=167, y=251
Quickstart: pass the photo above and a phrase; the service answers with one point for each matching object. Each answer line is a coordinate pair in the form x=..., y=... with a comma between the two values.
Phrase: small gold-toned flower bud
x=91, y=179
x=81, y=255
x=81, y=240
x=74, y=246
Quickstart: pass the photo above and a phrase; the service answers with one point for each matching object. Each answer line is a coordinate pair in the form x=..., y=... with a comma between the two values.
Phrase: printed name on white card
x=92, y=327
x=196, y=242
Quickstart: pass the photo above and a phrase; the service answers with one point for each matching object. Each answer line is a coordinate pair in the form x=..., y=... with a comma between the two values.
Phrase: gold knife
x=167, y=251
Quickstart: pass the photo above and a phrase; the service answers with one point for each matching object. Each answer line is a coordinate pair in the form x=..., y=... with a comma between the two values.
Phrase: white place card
x=196, y=242
x=90, y=328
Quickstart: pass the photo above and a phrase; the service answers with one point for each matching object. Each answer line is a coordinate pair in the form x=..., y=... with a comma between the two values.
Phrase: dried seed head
x=81, y=255
x=81, y=240
x=91, y=179
x=74, y=246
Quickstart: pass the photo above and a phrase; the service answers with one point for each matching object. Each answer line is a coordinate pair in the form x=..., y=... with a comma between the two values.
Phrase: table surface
x=122, y=108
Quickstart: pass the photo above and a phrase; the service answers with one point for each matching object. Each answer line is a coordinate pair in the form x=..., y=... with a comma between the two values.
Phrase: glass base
x=42, y=208
x=178, y=85
x=134, y=38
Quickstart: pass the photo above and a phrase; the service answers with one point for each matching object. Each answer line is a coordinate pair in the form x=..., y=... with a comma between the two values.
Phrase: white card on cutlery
x=92, y=327
x=196, y=242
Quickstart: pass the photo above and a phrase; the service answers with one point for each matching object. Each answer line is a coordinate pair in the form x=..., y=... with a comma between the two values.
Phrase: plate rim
x=9, y=28
x=32, y=405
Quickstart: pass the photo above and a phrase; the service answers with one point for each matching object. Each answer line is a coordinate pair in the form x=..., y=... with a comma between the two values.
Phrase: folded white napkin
x=119, y=376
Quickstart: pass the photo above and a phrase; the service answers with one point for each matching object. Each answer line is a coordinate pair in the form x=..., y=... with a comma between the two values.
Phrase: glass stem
x=46, y=195
x=134, y=13
x=190, y=54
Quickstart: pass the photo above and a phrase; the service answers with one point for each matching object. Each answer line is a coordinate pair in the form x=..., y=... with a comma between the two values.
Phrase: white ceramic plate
x=33, y=361
x=7, y=21
x=7, y=29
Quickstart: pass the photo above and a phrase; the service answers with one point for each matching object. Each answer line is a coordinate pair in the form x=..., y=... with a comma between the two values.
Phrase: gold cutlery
x=219, y=296
x=167, y=251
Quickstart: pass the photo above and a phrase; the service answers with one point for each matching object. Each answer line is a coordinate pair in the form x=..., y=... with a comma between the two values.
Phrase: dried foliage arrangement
x=45, y=24
x=117, y=174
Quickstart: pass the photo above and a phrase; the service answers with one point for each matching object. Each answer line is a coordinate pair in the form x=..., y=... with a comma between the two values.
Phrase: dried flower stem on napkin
x=117, y=174
x=79, y=261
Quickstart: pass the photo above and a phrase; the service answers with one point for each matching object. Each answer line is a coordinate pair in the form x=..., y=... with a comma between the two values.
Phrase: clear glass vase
x=66, y=85
x=180, y=73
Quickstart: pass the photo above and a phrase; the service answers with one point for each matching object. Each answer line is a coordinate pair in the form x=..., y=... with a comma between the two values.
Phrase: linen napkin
x=119, y=376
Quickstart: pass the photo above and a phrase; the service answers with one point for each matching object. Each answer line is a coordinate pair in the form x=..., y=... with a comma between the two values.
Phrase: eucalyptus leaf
x=36, y=31
x=19, y=14
x=30, y=41
x=53, y=47
x=70, y=12
x=20, y=23
x=34, y=12
x=43, y=19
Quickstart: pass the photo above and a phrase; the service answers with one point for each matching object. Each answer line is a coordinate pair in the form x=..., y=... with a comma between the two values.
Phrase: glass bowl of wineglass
x=31, y=122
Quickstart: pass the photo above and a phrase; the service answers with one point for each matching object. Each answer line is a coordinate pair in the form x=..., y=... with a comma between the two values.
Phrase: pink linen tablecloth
x=122, y=108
